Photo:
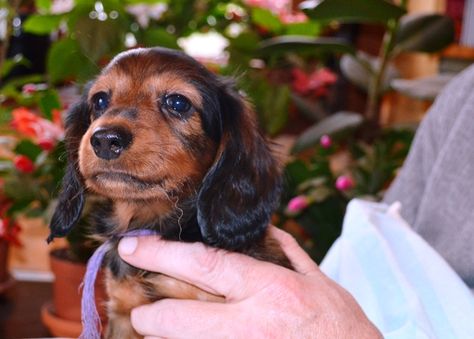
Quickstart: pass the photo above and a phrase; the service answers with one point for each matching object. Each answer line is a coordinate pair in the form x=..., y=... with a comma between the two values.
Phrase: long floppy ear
x=243, y=187
x=71, y=199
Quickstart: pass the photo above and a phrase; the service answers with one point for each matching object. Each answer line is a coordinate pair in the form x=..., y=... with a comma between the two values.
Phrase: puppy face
x=159, y=131
x=147, y=139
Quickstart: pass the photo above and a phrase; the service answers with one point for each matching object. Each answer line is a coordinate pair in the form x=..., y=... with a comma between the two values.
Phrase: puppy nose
x=109, y=143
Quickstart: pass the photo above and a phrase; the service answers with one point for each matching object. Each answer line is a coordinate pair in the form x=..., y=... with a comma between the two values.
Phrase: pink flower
x=29, y=89
x=288, y=17
x=325, y=141
x=315, y=82
x=282, y=8
x=297, y=204
x=344, y=183
x=274, y=6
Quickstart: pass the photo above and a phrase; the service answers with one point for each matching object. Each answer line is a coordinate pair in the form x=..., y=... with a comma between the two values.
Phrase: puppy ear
x=71, y=199
x=243, y=187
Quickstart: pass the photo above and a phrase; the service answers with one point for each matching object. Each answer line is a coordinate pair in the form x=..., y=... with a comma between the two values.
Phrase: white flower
x=144, y=12
x=61, y=6
x=206, y=47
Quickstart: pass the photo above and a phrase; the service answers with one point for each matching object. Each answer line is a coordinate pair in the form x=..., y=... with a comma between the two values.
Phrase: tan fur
x=163, y=163
x=149, y=156
x=132, y=292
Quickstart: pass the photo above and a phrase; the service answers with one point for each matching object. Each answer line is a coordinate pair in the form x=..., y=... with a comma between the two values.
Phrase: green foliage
x=266, y=19
x=65, y=60
x=159, y=37
x=305, y=45
x=28, y=148
x=380, y=11
x=48, y=102
x=413, y=33
x=372, y=167
x=336, y=123
x=272, y=101
x=427, y=33
x=42, y=24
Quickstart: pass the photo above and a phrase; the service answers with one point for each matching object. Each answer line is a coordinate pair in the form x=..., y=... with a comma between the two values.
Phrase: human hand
x=263, y=300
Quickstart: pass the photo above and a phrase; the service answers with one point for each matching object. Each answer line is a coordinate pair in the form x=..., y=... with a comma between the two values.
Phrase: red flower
x=24, y=164
x=46, y=145
x=37, y=128
x=9, y=230
x=316, y=82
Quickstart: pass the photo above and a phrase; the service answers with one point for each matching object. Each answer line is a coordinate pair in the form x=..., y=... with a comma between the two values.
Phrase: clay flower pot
x=6, y=280
x=62, y=316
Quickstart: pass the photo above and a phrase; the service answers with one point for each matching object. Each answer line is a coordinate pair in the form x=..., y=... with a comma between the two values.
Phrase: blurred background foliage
x=293, y=59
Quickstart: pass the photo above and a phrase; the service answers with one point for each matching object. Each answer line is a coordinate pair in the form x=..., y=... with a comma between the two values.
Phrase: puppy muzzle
x=109, y=143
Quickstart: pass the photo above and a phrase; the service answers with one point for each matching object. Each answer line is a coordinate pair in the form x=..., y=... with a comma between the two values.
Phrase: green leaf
x=8, y=64
x=309, y=28
x=357, y=69
x=297, y=172
x=311, y=109
x=426, y=88
x=151, y=2
x=266, y=19
x=98, y=38
x=49, y=101
x=276, y=106
x=335, y=123
x=304, y=44
x=22, y=190
x=65, y=60
x=352, y=11
x=28, y=148
x=159, y=37
x=43, y=5
x=424, y=33
x=242, y=48
x=360, y=69
x=42, y=24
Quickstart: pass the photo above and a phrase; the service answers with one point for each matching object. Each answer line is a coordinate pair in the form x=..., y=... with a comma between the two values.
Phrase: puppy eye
x=100, y=101
x=177, y=104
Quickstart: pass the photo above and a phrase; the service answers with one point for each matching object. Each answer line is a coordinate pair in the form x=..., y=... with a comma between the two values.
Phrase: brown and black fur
x=207, y=176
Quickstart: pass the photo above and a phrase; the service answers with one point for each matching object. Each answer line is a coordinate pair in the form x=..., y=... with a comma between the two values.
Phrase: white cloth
x=403, y=285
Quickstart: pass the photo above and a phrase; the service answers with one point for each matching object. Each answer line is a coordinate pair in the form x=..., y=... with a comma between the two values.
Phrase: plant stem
x=372, y=111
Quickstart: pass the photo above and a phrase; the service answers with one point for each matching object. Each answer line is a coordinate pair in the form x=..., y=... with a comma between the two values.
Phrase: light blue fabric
x=403, y=285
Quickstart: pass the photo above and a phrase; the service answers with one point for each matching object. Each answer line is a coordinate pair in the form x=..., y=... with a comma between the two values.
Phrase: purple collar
x=91, y=326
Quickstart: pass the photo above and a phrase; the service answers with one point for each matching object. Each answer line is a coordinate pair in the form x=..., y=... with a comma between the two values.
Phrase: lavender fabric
x=91, y=326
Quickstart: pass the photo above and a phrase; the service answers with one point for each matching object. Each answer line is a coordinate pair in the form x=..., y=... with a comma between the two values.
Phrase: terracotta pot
x=4, y=272
x=63, y=315
x=6, y=279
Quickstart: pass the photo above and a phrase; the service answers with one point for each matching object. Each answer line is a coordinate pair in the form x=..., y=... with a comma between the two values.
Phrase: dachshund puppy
x=175, y=149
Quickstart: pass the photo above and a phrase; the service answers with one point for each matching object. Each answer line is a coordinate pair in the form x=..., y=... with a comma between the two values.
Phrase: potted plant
x=31, y=169
x=320, y=184
x=62, y=315
x=376, y=75
x=319, y=187
x=9, y=230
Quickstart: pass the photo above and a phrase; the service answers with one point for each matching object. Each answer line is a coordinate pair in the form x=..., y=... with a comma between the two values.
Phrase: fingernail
x=127, y=245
